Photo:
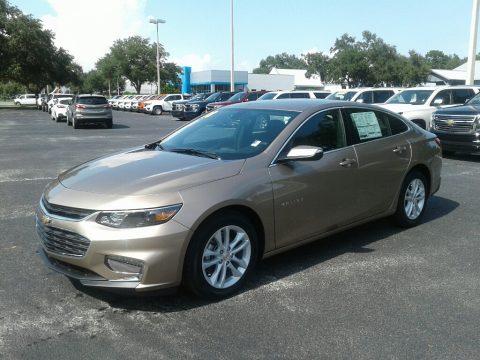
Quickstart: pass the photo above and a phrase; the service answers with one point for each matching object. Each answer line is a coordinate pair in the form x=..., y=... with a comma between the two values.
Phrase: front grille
x=456, y=127
x=188, y=107
x=65, y=211
x=60, y=241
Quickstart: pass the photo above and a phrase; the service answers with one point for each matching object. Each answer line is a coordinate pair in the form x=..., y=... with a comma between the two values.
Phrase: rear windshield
x=92, y=100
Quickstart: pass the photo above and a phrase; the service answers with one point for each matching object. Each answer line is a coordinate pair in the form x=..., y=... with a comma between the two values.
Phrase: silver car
x=202, y=205
x=89, y=109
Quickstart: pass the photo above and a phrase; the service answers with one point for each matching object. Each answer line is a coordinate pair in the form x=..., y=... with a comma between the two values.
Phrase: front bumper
x=160, y=249
x=189, y=115
x=459, y=142
x=177, y=114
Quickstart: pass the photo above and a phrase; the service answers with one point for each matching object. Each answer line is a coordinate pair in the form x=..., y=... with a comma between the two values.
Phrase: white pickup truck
x=418, y=104
x=164, y=103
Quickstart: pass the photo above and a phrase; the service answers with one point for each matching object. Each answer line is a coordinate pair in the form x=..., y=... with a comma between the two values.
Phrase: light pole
x=472, y=45
x=156, y=22
x=232, y=80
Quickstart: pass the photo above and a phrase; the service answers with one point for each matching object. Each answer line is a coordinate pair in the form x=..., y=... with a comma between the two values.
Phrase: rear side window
x=459, y=96
x=365, y=97
x=319, y=95
x=367, y=125
x=92, y=100
x=444, y=96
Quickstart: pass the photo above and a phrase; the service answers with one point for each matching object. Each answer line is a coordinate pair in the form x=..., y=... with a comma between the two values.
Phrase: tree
x=136, y=59
x=318, y=63
x=437, y=59
x=280, y=61
x=169, y=72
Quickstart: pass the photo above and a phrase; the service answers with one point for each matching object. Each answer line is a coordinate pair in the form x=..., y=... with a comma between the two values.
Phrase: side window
x=284, y=96
x=459, y=96
x=252, y=97
x=442, y=98
x=169, y=98
x=367, y=125
x=380, y=96
x=299, y=95
x=365, y=98
x=324, y=129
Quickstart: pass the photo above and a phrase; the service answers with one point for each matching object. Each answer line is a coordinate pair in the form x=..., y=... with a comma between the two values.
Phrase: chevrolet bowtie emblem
x=450, y=122
x=45, y=220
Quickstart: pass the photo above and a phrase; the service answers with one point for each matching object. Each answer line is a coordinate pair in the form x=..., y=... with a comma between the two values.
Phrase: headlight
x=137, y=218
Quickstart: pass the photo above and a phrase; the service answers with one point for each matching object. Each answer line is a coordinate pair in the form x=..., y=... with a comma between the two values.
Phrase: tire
x=17, y=104
x=108, y=124
x=157, y=110
x=210, y=271
x=75, y=123
x=412, y=200
x=69, y=123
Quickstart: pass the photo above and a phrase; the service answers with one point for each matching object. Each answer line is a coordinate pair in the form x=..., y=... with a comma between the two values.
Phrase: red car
x=237, y=98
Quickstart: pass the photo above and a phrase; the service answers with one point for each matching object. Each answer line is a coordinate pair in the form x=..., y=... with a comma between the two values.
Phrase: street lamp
x=232, y=69
x=156, y=22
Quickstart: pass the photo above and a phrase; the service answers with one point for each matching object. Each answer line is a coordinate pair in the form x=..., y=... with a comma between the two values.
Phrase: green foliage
x=280, y=61
x=437, y=59
x=9, y=89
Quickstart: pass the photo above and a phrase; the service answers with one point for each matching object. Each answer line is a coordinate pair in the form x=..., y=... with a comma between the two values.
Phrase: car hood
x=224, y=103
x=197, y=102
x=460, y=110
x=144, y=172
x=403, y=108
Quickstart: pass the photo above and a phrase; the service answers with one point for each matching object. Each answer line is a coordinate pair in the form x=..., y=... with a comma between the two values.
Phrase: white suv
x=295, y=94
x=365, y=95
x=418, y=104
x=27, y=99
x=164, y=103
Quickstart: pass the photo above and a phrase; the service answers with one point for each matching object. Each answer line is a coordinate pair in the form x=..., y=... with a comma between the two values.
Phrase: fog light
x=132, y=268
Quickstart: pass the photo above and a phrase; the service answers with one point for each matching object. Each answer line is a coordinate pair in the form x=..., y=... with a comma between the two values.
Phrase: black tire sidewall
x=194, y=280
x=400, y=216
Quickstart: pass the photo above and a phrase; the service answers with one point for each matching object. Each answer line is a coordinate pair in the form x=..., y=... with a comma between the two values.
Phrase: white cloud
x=88, y=28
x=197, y=62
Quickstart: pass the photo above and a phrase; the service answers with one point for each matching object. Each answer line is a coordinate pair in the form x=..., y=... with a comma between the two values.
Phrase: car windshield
x=213, y=97
x=92, y=100
x=412, y=97
x=267, y=96
x=475, y=100
x=237, y=97
x=230, y=134
x=342, y=95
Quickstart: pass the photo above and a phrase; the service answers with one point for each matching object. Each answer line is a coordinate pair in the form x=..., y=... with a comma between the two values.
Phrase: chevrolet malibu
x=203, y=205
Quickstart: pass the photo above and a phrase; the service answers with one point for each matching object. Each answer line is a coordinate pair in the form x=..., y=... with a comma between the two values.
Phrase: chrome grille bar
x=65, y=211
x=62, y=241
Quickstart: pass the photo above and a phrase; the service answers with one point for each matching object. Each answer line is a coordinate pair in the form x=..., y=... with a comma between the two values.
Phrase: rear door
x=383, y=157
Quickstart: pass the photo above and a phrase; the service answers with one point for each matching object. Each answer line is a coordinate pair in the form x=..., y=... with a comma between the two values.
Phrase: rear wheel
x=412, y=200
x=221, y=255
x=75, y=123
x=157, y=110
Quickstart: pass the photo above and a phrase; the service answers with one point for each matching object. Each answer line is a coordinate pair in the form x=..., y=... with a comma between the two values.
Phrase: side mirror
x=303, y=153
x=438, y=102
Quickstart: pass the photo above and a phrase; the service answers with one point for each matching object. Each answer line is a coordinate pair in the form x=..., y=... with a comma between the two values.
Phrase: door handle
x=347, y=162
x=400, y=149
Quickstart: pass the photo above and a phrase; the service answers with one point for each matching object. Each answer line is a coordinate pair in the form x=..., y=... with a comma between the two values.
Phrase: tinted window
x=224, y=96
x=237, y=97
x=413, y=97
x=444, y=96
x=320, y=95
x=300, y=95
x=324, y=130
x=284, y=96
x=267, y=96
x=461, y=95
x=367, y=125
x=252, y=97
x=365, y=97
x=92, y=100
x=380, y=96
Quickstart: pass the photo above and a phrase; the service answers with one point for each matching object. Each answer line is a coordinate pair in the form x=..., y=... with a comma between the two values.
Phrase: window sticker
x=367, y=125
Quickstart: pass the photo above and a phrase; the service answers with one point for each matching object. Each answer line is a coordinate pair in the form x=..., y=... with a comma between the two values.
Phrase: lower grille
x=61, y=241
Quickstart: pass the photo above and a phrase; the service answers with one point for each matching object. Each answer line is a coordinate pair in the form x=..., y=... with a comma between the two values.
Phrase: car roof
x=89, y=95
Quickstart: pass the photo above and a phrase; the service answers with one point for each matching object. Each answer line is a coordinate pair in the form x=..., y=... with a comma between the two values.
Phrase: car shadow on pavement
x=95, y=126
x=464, y=157
x=271, y=270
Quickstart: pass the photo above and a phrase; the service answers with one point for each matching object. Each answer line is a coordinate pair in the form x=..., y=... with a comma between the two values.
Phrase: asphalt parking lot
x=375, y=291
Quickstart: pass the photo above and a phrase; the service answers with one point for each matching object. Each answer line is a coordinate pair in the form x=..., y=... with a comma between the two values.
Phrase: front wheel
x=157, y=110
x=221, y=255
x=412, y=200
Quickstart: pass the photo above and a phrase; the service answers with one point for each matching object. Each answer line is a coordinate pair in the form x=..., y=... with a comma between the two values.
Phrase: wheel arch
x=422, y=168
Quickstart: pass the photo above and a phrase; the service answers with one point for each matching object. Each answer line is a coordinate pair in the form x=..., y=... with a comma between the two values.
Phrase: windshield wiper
x=197, y=152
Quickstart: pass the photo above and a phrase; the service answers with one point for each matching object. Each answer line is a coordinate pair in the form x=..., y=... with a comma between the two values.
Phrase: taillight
x=79, y=106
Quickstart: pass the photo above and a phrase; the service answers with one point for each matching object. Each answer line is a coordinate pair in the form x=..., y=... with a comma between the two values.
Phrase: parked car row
x=78, y=110
x=151, y=104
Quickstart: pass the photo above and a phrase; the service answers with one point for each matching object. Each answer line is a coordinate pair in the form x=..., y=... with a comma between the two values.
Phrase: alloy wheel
x=414, y=199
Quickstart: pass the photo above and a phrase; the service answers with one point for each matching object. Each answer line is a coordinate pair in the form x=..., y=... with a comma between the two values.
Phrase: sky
x=197, y=32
